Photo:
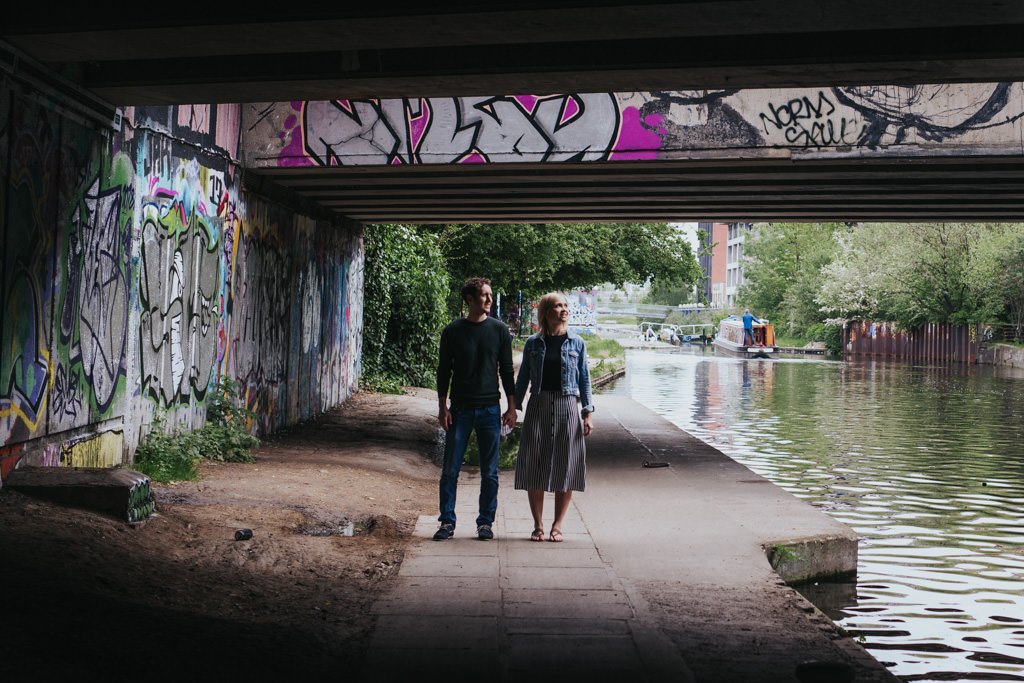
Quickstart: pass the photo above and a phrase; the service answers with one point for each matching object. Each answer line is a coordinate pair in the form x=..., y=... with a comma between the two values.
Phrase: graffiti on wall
x=93, y=450
x=292, y=302
x=179, y=284
x=539, y=128
x=809, y=121
x=134, y=271
x=898, y=113
x=620, y=126
x=93, y=305
x=261, y=319
x=27, y=285
x=855, y=118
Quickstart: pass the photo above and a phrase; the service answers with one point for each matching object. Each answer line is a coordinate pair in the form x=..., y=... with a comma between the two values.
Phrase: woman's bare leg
x=536, y=498
x=562, y=500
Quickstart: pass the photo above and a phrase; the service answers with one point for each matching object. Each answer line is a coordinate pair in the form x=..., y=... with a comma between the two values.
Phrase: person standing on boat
x=552, y=455
x=748, y=327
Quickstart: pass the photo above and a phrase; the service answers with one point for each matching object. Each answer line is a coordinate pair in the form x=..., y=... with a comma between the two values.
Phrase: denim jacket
x=575, y=373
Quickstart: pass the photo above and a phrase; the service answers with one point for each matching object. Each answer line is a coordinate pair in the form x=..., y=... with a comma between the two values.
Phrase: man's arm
x=444, y=377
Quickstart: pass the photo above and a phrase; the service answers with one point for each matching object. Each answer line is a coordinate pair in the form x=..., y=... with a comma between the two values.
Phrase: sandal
x=537, y=535
x=555, y=536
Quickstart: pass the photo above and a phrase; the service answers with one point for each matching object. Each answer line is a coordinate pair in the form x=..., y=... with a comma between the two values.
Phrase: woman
x=552, y=455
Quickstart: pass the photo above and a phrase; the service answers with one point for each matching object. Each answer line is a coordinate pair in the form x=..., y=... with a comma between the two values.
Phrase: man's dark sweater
x=470, y=354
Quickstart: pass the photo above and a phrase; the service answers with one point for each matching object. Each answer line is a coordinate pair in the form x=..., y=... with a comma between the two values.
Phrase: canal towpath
x=663, y=575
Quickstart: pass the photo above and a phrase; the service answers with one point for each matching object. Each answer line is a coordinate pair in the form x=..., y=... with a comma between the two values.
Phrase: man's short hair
x=473, y=286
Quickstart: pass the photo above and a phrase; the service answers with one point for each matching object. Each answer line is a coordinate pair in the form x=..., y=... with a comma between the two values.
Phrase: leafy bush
x=225, y=437
x=508, y=449
x=167, y=457
x=832, y=335
x=404, y=309
x=381, y=384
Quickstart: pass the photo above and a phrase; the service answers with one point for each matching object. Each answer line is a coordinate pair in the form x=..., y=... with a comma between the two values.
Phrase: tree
x=783, y=271
x=537, y=258
x=404, y=310
x=997, y=275
x=910, y=273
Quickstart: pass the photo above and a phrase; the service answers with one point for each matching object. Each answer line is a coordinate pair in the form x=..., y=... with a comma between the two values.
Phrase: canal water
x=926, y=464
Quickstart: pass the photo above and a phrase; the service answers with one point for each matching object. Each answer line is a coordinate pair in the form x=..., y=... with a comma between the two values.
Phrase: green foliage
x=225, y=437
x=670, y=292
x=782, y=554
x=538, y=258
x=909, y=273
x=167, y=457
x=604, y=348
x=405, y=285
x=606, y=367
x=508, y=450
x=803, y=275
x=619, y=319
x=705, y=318
x=831, y=334
x=381, y=384
x=997, y=276
x=783, y=272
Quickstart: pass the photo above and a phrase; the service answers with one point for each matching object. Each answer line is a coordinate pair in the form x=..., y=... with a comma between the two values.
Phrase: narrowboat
x=730, y=339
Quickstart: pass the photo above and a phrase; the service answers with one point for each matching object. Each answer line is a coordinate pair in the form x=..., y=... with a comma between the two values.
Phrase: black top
x=552, y=378
x=470, y=359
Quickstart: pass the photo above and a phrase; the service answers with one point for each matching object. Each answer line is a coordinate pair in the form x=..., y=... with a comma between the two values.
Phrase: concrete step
x=121, y=493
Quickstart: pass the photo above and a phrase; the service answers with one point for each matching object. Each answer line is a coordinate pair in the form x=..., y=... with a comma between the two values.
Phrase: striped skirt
x=552, y=455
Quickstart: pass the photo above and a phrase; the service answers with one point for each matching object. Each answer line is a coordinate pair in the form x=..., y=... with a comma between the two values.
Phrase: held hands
x=587, y=426
x=509, y=418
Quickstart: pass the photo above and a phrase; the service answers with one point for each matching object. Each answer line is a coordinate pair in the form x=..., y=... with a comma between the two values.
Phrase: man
x=474, y=350
x=748, y=327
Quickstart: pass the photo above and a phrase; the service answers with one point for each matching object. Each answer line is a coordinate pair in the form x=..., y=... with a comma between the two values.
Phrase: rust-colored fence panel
x=938, y=342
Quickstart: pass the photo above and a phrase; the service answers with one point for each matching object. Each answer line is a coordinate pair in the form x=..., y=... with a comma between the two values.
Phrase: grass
x=381, y=384
x=619, y=319
x=604, y=348
x=791, y=342
x=782, y=554
x=607, y=367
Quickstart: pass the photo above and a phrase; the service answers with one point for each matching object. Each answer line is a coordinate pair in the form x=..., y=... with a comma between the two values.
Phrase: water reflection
x=925, y=463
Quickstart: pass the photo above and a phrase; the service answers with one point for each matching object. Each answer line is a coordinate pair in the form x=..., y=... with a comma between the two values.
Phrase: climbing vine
x=405, y=284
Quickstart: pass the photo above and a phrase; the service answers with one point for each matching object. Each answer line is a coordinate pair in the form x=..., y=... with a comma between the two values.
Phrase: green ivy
x=404, y=285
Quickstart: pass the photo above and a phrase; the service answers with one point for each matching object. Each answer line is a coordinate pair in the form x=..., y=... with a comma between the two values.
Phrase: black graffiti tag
x=809, y=123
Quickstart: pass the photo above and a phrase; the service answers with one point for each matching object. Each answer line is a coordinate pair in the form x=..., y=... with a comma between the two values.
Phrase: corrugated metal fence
x=930, y=342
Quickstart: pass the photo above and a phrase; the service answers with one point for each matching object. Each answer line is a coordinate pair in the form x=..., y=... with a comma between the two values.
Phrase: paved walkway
x=662, y=577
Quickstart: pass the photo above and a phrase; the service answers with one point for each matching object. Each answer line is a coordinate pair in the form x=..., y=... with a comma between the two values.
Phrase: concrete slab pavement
x=663, y=575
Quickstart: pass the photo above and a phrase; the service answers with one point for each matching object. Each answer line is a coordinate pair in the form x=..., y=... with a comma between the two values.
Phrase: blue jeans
x=486, y=421
x=748, y=336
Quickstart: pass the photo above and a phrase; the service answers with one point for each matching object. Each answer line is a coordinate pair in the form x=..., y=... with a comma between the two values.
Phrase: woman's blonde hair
x=547, y=302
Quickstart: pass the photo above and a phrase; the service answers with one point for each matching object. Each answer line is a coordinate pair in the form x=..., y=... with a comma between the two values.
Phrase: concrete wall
x=136, y=269
x=1001, y=354
x=927, y=120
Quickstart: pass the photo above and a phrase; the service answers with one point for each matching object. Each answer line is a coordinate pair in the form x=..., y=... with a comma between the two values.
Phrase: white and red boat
x=730, y=339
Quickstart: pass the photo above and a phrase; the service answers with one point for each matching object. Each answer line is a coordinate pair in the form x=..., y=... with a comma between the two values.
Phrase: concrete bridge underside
x=224, y=54
x=705, y=109
x=859, y=153
x=902, y=190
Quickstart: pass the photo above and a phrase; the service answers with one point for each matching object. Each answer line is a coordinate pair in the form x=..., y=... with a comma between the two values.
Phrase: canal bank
x=664, y=575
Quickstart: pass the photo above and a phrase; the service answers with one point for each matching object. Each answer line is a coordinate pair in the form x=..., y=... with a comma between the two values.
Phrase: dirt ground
x=178, y=597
